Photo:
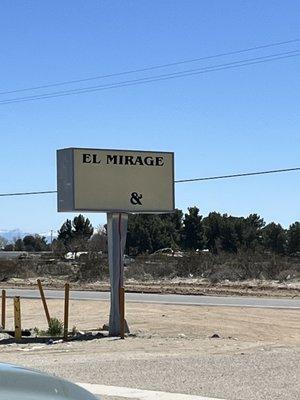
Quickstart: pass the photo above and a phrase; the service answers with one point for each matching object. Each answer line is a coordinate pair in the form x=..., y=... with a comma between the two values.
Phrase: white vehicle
x=167, y=252
x=75, y=255
x=18, y=383
x=127, y=260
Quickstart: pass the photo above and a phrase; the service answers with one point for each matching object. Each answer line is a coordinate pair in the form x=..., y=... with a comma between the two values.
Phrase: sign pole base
x=116, y=237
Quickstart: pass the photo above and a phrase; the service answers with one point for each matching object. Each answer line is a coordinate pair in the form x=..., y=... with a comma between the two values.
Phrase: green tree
x=193, y=231
x=239, y=233
x=274, y=238
x=212, y=230
x=9, y=247
x=35, y=243
x=19, y=245
x=293, y=238
x=228, y=233
x=65, y=233
x=82, y=228
x=252, y=235
x=172, y=224
x=75, y=234
x=29, y=243
x=140, y=230
x=229, y=238
x=148, y=233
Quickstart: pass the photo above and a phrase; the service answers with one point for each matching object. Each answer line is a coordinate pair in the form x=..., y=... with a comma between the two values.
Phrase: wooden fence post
x=66, y=310
x=3, y=307
x=17, y=315
x=122, y=312
x=44, y=301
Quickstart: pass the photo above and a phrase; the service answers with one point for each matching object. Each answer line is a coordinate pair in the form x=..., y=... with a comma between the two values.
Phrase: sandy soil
x=233, y=324
x=171, y=349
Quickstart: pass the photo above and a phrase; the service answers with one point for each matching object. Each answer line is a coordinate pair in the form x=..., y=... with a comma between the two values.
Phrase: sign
x=115, y=181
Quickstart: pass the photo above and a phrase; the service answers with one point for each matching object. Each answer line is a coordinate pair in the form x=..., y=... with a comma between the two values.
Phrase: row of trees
x=148, y=233
x=216, y=232
x=28, y=243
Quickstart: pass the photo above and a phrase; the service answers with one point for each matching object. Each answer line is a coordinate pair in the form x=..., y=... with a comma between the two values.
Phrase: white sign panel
x=115, y=180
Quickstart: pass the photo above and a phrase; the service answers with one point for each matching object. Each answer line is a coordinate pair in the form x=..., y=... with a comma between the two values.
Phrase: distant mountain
x=13, y=234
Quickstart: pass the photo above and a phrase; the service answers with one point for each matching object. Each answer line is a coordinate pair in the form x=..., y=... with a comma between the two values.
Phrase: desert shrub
x=135, y=271
x=289, y=274
x=17, y=269
x=192, y=265
x=55, y=328
x=94, y=269
x=243, y=265
x=160, y=269
x=215, y=267
x=147, y=269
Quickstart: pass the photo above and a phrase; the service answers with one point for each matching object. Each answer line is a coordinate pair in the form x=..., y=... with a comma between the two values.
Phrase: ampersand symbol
x=136, y=198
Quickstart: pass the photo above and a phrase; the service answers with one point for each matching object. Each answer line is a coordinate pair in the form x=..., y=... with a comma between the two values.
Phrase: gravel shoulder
x=255, y=288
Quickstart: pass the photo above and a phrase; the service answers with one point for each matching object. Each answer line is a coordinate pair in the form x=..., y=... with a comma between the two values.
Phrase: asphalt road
x=230, y=301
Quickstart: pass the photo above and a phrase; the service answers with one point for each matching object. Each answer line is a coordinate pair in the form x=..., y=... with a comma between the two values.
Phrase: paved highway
x=232, y=301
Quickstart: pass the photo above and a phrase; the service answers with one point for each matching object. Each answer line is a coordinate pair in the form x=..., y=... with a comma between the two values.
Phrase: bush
x=94, y=269
x=215, y=267
x=56, y=327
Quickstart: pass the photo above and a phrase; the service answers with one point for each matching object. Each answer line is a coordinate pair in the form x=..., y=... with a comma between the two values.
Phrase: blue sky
x=224, y=122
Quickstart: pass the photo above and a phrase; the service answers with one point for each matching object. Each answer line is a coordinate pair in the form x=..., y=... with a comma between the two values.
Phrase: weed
x=56, y=327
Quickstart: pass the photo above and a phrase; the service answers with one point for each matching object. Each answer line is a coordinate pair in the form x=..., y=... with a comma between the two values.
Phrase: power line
x=27, y=193
x=274, y=171
x=189, y=72
x=151, y=68
x=162, y=77
x=210, y=178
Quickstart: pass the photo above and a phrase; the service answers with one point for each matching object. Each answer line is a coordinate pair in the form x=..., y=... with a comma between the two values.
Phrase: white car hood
x=18, y=383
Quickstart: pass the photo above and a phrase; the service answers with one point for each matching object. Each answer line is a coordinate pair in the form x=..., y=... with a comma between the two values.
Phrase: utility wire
x=151, y=68
x=27, y=193
x=274, y=171
x=162, y=77
x=210, y=178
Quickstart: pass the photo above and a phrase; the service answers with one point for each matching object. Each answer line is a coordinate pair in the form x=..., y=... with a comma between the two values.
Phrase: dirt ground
x=172, y=349
x=235, y=325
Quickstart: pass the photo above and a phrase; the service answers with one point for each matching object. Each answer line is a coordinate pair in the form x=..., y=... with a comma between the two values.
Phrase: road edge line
x=140, y=394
